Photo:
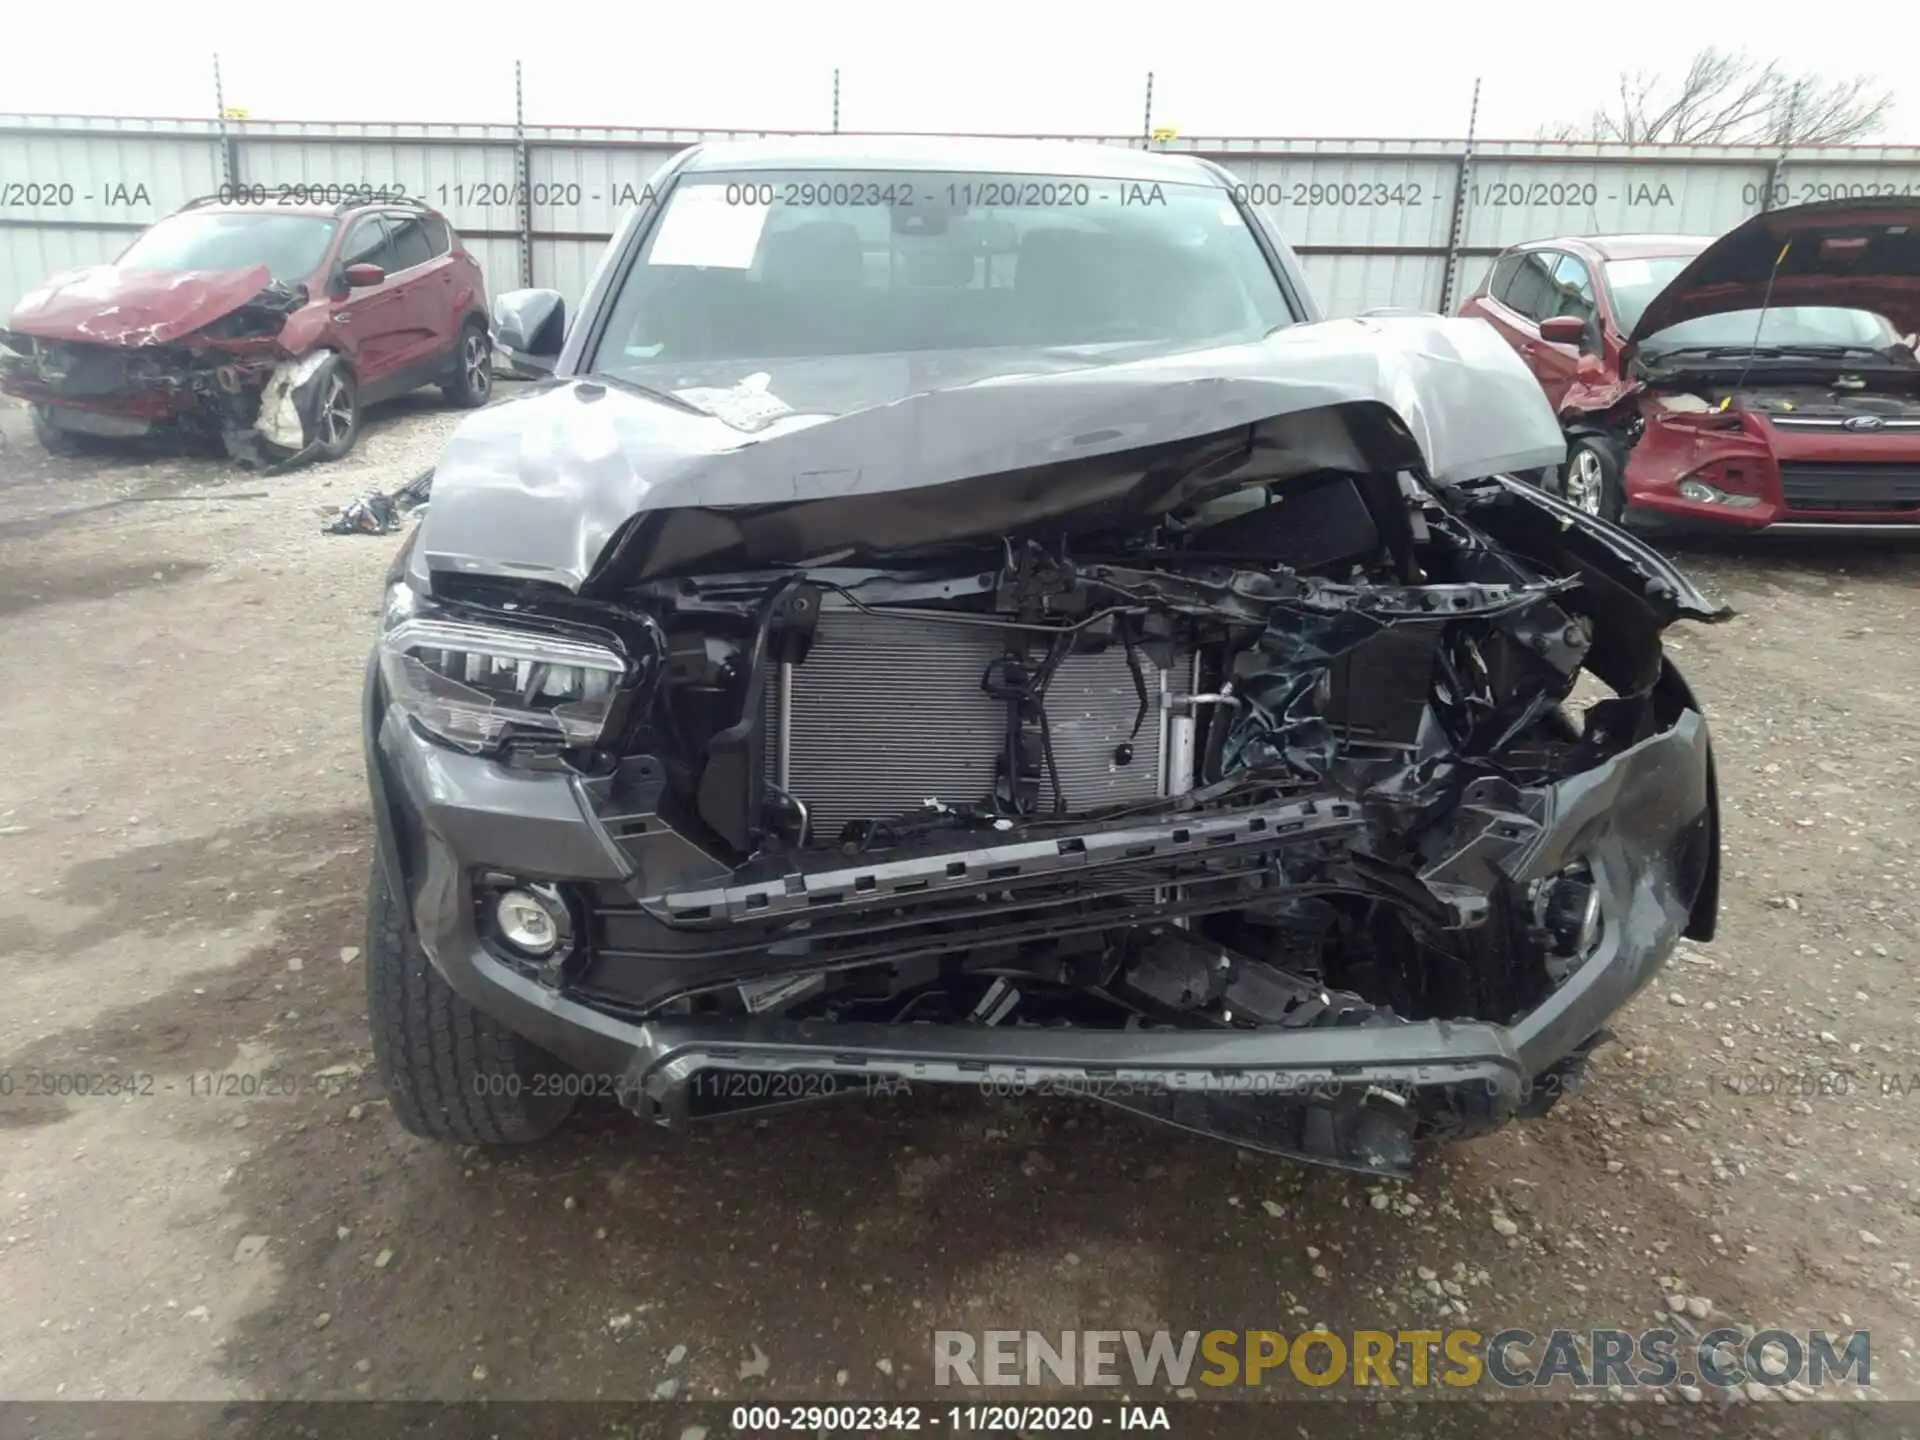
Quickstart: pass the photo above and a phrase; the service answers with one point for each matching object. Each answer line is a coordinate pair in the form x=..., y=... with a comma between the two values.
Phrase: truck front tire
x=451, y=1072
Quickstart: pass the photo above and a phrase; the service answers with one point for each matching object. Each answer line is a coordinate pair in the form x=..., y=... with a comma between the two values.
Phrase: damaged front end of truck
x=1285, y=780
x=195, y=359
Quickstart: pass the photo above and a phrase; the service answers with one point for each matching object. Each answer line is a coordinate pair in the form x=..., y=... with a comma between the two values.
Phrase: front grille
x=81, y=369
x=887, y=713
x=1812, y=485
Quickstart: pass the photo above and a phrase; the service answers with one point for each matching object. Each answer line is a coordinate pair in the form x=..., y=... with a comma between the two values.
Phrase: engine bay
x=1846, y=397
x=1261, y=761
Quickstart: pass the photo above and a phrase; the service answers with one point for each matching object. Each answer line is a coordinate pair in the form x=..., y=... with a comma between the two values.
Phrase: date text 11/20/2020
x=961, y=1419
x=1414, y=194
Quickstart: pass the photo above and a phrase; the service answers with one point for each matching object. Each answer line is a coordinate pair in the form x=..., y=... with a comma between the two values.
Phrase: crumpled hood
x=538, y=485
x=1859, y=254
x=112, y=305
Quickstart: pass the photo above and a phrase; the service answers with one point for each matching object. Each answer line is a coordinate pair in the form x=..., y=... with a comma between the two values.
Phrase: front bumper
x=154, y=405
x=1686, y=518
x=1848, y=486
x=102, y=402
x=1646, y=822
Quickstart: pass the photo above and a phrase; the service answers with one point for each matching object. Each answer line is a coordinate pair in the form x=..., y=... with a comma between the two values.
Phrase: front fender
x=1607, y=547
x=1704, y=918
x=312, y=328
x=1643, y=592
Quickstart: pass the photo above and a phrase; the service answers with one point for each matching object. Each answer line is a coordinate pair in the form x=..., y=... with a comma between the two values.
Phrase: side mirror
x=360, y=276
x=529, y=328
x=1563, y=329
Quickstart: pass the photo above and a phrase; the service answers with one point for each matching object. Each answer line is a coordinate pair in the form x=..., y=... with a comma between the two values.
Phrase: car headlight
x=475, y=685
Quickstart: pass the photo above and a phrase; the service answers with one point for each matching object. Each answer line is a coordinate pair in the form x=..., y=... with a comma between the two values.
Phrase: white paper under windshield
x=701, y=228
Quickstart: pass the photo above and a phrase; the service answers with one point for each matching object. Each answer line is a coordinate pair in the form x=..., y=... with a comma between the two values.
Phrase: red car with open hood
x=257, y=329
x=1766, y=380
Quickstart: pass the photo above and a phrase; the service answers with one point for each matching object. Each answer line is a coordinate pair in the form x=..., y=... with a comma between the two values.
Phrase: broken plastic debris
x=371, y=514
x=279, y=423
x=378, y=513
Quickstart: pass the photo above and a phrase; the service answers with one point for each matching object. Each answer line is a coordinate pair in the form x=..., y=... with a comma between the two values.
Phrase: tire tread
x=433, y=1049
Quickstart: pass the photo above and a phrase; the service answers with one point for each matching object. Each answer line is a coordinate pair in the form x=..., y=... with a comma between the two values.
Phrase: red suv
x=1764, y=380
x=261, y=330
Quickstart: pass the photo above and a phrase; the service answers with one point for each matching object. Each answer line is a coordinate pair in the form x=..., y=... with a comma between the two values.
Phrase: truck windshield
x=825, y=263
x=290, y=246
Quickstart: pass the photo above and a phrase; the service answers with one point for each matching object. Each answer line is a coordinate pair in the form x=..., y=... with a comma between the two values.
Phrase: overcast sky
x=1220, y=68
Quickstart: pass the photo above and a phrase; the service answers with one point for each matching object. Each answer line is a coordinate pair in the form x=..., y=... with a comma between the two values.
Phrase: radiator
x=887, y=713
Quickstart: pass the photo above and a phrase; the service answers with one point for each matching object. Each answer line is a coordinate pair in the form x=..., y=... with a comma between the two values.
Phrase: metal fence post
x=1775, y=169
x=836, y=99
x=229, y=147
x=1779, y=165
x=523, y=180
x=1146, y=120
x=1457, y=224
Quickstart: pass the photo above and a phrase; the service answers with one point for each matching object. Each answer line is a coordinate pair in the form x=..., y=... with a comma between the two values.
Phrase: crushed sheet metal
x=280, y=423
x=537, y=486
x=111, y=305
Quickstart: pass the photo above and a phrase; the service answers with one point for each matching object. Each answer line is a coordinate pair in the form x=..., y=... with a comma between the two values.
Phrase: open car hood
x=113, y=305
x=553, y=484
x=1859, y=254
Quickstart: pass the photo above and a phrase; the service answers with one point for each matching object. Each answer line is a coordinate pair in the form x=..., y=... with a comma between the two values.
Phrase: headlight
x=474, y=684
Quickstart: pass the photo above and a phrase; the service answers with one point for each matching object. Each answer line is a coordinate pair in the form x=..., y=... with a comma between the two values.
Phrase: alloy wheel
x=336, y=413
x=475, y=359
x=1586, y=483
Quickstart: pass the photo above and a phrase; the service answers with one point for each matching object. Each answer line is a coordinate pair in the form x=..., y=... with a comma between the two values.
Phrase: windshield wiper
x=645, y=392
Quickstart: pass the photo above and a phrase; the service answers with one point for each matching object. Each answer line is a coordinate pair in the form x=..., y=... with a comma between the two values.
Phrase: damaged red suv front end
x=1766, y=380
x=254, y=331
x=1790, y=458
x=114, y=352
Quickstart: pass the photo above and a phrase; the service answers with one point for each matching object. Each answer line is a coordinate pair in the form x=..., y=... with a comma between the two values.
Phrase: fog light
x=1567, y=907
x=1702, y=493
x=530, y=922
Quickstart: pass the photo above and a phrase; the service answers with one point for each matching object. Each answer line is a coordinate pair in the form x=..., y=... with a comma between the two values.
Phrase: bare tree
x=1726, y=98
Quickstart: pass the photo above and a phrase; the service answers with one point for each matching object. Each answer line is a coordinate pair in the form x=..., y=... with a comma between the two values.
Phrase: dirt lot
x=183, y=856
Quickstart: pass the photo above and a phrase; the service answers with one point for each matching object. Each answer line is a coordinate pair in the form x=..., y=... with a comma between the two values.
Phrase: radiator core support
x=888, y=713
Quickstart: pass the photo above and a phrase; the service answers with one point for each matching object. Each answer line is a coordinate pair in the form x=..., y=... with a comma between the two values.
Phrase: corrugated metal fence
x=1378, y=222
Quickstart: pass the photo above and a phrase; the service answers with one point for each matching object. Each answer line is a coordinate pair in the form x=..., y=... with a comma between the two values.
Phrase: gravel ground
x=183, y=856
